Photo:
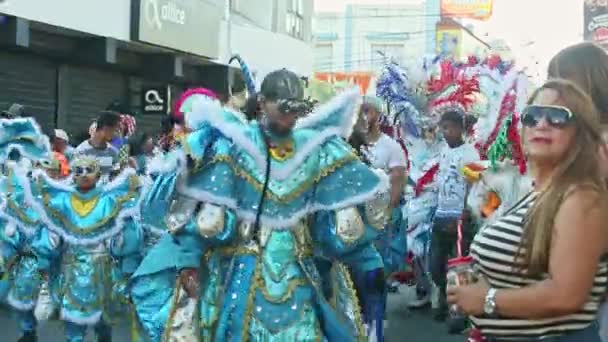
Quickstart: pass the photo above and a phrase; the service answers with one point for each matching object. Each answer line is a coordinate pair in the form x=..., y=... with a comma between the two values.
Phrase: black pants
x=443, y=247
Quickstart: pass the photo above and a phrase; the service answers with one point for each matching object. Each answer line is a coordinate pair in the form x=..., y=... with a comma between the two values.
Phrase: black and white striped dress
x=494, y=249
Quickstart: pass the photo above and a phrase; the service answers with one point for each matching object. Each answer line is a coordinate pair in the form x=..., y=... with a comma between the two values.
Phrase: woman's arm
x=579, y=240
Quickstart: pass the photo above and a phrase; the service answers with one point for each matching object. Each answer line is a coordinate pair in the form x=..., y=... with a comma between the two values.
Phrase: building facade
x=359, y=38
x=66, y=60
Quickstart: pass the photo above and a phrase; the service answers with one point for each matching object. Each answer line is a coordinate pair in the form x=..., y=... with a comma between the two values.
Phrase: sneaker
x=28, y=337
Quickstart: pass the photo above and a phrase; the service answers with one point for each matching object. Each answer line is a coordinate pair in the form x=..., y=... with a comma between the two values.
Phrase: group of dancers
x=272, y=228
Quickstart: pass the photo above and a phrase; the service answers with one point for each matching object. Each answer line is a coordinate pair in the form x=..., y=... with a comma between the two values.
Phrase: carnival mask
x=86, y=172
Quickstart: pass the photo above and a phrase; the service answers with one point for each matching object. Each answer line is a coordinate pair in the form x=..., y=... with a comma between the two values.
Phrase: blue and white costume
x=261, y=283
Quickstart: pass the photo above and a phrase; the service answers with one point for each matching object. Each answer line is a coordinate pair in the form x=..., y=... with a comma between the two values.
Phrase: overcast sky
x=534, y=29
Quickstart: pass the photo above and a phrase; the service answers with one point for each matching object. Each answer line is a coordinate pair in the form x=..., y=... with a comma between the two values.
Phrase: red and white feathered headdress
x=453, y=89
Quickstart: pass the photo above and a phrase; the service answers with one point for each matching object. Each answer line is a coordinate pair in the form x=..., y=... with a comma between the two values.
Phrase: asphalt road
x=403, y=326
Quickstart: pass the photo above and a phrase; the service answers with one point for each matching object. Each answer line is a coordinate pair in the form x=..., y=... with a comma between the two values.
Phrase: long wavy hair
x=586, y=64
x=578, y=168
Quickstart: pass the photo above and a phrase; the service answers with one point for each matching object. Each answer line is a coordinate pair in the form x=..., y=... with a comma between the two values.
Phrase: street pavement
x=403, y=326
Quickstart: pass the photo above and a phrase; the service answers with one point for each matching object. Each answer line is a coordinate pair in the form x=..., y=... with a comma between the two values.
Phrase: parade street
x=403, y=327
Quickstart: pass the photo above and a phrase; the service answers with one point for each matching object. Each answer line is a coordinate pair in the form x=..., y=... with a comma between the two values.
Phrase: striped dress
x=494, y=249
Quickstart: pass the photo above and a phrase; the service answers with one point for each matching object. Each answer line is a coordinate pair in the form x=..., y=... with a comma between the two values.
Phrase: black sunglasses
x=80, y=171
x=556, y=116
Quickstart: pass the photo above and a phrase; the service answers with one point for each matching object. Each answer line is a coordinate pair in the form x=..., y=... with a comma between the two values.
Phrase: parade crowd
x=278, y=214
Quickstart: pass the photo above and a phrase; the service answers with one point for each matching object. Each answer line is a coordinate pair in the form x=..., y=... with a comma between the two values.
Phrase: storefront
x=32, y=82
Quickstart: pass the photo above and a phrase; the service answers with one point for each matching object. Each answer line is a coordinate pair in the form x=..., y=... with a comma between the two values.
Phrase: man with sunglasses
x=99, y=145
x=275, y=198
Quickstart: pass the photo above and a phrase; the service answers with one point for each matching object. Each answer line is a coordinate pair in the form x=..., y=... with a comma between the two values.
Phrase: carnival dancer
x=21, y=225
x=259, y=201
x=501, y=178
x=404, y=91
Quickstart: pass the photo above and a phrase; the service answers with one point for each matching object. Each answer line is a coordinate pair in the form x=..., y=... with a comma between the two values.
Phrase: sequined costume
x=261, y=285
x=20, y=226
x=95, y=234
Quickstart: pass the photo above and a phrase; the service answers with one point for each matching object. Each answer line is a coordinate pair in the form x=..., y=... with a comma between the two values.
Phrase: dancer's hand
x=189, y=280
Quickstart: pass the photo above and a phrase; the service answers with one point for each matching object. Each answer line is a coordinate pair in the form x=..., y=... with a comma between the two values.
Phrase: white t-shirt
x=451, y=183
x=385, y=154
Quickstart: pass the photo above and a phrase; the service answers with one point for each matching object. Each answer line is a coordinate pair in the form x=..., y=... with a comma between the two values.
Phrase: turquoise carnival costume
x=21, y=281
x=98, y=236
x=252, y=220
x=95, y=234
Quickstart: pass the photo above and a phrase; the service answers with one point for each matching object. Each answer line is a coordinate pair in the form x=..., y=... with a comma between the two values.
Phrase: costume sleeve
x=348, y=236
x=126, y=247
x=46, y=246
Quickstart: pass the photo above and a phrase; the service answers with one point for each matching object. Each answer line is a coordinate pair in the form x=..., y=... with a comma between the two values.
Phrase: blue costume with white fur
x=260, y=284
x=96, y=234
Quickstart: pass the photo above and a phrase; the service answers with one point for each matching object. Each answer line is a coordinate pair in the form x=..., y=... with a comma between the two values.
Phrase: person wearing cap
x=258, y=204
x=62, y=150
x=14, y=111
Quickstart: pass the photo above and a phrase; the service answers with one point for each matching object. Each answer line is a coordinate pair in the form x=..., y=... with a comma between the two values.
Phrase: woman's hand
x=469, y=298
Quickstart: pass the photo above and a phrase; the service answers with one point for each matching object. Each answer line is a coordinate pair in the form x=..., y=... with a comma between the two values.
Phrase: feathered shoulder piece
x=497, y=129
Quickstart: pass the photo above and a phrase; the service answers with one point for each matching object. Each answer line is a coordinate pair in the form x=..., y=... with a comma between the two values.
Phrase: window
x=294, y=21
x=324, y=57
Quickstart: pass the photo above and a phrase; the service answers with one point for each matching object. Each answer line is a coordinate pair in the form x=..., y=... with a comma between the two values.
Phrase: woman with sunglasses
x=542, y=266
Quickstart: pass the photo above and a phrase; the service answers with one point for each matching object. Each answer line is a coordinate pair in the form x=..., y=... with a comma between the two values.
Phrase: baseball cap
x=14, y=111
x=61, y=134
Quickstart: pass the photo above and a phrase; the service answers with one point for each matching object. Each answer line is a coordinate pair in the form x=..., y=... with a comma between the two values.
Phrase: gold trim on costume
x=69, y=226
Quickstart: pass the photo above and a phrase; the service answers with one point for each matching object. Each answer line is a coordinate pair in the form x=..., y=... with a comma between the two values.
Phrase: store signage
x=186, y=25
x=596, y=22
x=472, y=9
x=155, y=100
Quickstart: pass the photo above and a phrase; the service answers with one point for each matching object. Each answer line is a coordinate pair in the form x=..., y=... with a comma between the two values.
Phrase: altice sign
x=191, y=26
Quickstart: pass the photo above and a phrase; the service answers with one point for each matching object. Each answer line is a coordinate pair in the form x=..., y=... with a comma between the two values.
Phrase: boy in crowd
x=98, y=146
x=452, y=195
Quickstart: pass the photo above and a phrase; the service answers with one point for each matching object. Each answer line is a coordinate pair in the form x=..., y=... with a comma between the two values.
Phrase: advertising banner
x=471, y=9
x=596, y=22
x=186, y=25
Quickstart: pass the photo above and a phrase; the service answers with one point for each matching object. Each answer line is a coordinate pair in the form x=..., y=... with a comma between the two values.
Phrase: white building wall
x=105, y=18
x=399, y=29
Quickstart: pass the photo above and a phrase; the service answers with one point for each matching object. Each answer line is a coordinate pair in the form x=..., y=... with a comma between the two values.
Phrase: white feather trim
x=236, y=132
x=119, y=221
x=285, y=222
x=91, y=320
x=18, y=304
x=348, y=100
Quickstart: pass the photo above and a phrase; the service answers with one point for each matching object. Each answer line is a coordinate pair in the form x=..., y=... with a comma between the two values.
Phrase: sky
x=534, y=29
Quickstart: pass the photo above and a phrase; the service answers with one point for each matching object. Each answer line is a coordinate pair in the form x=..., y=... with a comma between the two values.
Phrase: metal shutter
x=84, y=92
x=32, y=82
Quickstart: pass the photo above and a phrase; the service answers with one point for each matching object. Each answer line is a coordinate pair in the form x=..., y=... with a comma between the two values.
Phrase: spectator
x=585, y=64
x=451, y=201
x=14, y=111
x=141, y=148
x=543, y=265
x=99, y=146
